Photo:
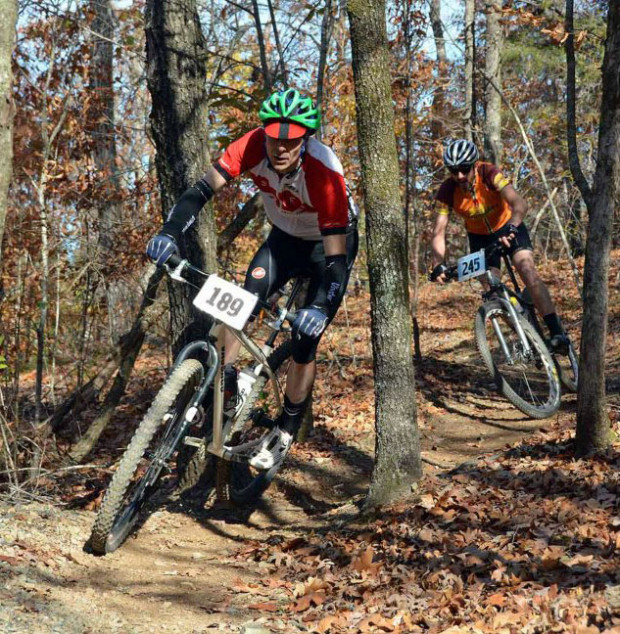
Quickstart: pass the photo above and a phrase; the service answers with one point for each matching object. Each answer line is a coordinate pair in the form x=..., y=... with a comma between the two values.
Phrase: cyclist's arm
x=184, y=213
x=517, y=203
x=335, y=276
x=438, y=242
x=335, y=244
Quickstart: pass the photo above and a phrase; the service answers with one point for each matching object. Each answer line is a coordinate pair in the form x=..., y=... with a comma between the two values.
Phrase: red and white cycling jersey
x=308, y=203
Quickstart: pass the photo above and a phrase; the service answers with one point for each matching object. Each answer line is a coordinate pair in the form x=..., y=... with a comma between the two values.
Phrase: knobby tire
x=551, y=403
x=116, y=517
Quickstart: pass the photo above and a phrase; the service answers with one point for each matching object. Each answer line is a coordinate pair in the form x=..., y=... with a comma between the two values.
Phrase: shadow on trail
x=296, y=482
x=498, y=520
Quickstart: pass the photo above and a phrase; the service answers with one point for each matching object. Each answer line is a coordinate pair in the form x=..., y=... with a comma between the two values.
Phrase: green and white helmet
x=289, y=115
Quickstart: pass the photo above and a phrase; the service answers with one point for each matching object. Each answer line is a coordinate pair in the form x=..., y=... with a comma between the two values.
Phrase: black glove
x=436, y=272
x=161, y=247
x=507, y=229
x=310, y=321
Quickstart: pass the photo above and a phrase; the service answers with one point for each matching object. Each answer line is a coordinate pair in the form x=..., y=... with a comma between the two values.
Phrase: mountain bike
x=189, y=414
x=511, y=341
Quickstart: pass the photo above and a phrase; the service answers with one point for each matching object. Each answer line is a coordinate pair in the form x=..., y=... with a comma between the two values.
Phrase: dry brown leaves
x=527, y=542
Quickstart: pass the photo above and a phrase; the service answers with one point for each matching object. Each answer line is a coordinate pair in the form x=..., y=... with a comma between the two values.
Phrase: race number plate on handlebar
x=227, y=302
x=471, y=265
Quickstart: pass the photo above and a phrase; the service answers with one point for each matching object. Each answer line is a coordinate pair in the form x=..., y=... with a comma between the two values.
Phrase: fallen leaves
x=524, y=541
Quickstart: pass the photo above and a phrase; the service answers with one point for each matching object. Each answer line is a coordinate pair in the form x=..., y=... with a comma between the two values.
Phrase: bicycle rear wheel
x=139, y=472
x=528, y=380
x=568, y=364
x=238, y=482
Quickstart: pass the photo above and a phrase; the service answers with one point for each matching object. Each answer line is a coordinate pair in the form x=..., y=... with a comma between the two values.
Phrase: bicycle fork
x=507, y=304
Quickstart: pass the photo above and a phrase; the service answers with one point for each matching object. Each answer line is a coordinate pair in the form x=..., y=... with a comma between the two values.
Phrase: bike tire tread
x=143, y=435
x=503, y=386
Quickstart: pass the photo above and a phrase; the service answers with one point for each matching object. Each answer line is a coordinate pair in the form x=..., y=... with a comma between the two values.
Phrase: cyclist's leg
x=302, y=370
x=268, y=271
x=523, y=260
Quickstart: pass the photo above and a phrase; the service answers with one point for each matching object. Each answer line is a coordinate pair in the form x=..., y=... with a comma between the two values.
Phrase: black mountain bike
x=188, y=417
x=511, y=341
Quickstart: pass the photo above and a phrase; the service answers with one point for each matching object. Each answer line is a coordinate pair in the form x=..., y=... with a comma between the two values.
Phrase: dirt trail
x=182, y=573
x=187, y=570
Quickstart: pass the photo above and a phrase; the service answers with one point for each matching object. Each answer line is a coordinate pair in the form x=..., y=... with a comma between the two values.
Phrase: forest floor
x=507, y=532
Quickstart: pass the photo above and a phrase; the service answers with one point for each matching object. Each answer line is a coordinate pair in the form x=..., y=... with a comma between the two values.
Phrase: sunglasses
x=463, y=169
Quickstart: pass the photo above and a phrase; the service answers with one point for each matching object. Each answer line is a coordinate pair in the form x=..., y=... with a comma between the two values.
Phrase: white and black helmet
x=460, y=152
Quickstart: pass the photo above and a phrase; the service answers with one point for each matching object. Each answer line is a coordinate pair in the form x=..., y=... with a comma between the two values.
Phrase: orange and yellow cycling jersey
x=483, y=208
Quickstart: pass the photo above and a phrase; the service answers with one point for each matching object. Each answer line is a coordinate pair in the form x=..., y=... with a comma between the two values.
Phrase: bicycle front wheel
x=528, y=379
x=238, y=482
x=139, y=472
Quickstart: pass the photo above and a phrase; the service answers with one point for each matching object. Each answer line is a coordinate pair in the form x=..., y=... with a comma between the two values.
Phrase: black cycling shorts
x=521, y=241
x=282, y=257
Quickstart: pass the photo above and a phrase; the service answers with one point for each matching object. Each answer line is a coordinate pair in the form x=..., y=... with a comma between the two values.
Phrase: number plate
x=227, y=302
x=471, y=265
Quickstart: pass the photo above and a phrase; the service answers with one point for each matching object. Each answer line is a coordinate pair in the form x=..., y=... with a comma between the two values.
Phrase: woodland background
x=84, y=195
x=524, y=539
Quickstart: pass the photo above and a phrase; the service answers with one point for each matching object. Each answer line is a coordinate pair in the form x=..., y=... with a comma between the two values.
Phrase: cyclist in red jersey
x=479, y=193
x=314, y=228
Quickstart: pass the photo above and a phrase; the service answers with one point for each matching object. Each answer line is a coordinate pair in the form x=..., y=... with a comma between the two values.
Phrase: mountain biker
x=492, y=209
x=314, y=228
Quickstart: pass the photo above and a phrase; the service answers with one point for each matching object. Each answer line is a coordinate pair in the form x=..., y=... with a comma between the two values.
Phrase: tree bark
x=438, y=104
x=276, y=37
x=493, y=100
x=397, y=460
x=8, y=8
x=249, y=211
x=327, y=27
x=127, y=352
x=469, y=36
x=571, y=124
x=261, y=47
x=106, y=196
x=176, y=71
x=593, y=424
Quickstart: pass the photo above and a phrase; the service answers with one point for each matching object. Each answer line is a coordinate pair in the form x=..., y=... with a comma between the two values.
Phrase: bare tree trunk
x=493, y=100
x=469, y=35
x=249, y=211
x=102, y=128
x=410, y=209
x=48, y=139
x=176, y=70
x=129, y=347
x=276, y=38
x=261, y=47
x=327, y=28
x=8, y=9
x=593, y=424
x=571, y=124
x=397, y=460
x=438, y=104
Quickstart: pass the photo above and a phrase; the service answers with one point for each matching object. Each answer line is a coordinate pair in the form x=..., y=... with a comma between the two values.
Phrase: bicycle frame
x=215, y=349
x=497, y=286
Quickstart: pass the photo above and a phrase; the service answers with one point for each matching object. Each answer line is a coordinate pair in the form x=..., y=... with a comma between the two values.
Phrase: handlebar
x=176, y=267
x=451, y=271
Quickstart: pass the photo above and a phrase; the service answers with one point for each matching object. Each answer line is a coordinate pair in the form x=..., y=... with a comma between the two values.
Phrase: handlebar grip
x=173, y=261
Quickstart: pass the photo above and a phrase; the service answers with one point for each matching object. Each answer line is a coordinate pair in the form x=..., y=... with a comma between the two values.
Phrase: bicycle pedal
x=193, y=441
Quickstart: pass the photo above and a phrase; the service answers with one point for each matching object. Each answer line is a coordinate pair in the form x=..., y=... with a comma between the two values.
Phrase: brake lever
x=175, y=273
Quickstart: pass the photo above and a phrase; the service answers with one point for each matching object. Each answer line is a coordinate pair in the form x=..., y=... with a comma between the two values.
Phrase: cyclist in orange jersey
x=479, y=193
